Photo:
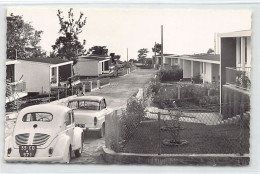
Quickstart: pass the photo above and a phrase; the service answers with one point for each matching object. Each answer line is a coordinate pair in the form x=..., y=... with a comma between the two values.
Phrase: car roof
x=54, y=109
x=89, y=98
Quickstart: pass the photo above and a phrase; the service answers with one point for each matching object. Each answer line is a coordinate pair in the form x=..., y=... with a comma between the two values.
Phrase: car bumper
x=93, y=129
x=54, y=159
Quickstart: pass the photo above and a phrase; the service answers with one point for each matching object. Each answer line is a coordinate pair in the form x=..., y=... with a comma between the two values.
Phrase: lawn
x=202, y=139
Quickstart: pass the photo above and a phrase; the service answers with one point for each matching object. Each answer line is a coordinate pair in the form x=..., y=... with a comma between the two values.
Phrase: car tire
x=102, y=131
x=68, y=158
x=79, y=151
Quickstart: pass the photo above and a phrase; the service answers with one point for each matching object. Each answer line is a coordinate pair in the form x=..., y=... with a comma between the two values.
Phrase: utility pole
x=127, y=54
x=161, y=46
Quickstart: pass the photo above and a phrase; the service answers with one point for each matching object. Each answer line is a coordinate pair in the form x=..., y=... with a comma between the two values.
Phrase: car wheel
x=79, y=151
x=68, y=158
x=102, y=131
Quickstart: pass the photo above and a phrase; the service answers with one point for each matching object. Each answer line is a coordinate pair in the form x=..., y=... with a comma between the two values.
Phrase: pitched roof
x=95, y=57
x=47, y=60
x=213, y=57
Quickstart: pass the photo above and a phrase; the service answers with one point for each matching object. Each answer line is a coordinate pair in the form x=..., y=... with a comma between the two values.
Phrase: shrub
x=134, y=115
x=172, y=74
x=196, y=79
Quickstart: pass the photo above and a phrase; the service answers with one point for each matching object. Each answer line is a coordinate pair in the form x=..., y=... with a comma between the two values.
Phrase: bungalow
x=92, y=65
x=204, y=65
x=235, y=64
x=42, y=74
x=15, y=84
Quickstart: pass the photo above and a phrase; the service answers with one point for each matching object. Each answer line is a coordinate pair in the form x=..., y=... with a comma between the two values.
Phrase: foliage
x=134, y=114
x=142, y=53
x=157, y=48
x=200, y=94
x=172, y=74
x=206, y=100
x=242, y=80
x=197, y=79
x=210, y=50
x=68, y=46
x=99, y=50
x=22, y=39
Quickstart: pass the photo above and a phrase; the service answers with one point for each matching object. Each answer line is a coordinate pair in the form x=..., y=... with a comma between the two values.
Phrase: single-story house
x=15, y=84
x=205, y=65
x=42, y=74
x=92, y=65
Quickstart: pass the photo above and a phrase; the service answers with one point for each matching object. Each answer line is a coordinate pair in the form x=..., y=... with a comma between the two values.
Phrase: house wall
x=196, y=68
x=186, y=69
x=215, y=72
x=35, y=74
x=207, y=72
x=85, y=67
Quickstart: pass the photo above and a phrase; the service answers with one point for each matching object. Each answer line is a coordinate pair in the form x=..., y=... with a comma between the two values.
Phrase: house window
x=53, y=71
x=205, y=68
x=246, y=50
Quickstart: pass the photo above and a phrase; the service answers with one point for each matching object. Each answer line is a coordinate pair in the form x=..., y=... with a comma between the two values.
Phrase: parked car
x=90, y=112
x=44, y=133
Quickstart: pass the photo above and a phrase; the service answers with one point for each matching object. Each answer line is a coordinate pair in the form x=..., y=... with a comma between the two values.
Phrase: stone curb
x=175, y=159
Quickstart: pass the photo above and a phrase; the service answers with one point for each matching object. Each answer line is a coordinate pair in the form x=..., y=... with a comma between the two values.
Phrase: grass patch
x=202, y=139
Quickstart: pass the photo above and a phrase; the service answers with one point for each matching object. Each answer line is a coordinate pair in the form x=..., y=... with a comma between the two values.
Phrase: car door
x=69, y=121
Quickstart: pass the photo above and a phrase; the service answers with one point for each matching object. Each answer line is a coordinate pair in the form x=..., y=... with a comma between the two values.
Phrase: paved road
x=116, y=94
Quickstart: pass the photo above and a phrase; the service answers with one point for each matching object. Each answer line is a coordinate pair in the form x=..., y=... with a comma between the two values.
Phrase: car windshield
x=84, y=104
x=37, y=116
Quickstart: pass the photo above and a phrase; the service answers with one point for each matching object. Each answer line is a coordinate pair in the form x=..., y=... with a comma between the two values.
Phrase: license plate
x=27, y=150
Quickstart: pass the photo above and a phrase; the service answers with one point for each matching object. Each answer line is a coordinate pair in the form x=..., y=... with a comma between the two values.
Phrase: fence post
x=58, y=93
x=90, y=85
x=116, y=131
x=98, y=84
x=84, y=89
x=159, y=129
x=179, y=92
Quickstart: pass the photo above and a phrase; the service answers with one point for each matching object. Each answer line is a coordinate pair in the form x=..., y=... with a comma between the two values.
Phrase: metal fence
x=178, y=131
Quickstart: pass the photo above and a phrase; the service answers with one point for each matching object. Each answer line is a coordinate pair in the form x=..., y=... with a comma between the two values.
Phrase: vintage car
x=44, y=133
x=90, y=112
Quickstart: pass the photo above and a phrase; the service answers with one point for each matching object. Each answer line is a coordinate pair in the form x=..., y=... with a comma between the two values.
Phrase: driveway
x=116, y=95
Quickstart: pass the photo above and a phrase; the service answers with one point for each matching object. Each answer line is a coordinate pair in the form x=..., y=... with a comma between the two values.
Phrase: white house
x=92, y=65
x=205, y=65
x=42, y=74
x=15, y=84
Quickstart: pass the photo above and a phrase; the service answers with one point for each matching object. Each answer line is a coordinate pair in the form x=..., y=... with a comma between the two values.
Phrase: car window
x=84, y=104
x=37, y=116
x=68, y=119
x=103, y=104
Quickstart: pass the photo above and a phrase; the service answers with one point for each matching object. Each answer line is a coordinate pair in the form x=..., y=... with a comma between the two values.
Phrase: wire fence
x=178, y=131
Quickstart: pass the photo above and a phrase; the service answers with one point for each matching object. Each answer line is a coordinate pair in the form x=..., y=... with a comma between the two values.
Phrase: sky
x=185, y=31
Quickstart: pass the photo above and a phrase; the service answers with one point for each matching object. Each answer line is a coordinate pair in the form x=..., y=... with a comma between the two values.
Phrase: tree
x=157, y=48
x=210, y=50
x=117, y=57
x=112, y=55
x=22, y=39
x=99, y=50
x=142, y=53
x=68, y=46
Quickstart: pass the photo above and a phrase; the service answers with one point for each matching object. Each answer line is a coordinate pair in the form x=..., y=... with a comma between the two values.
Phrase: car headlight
x=95, y=121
